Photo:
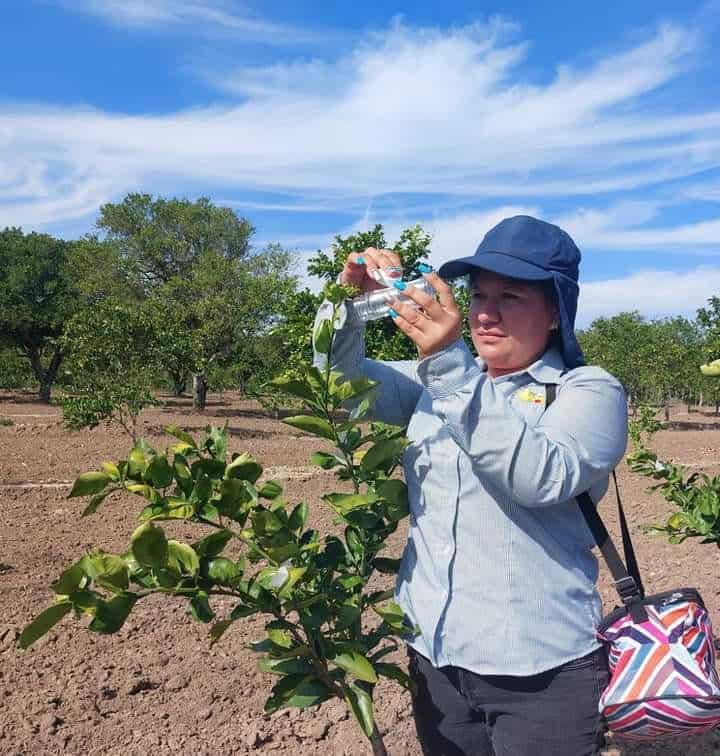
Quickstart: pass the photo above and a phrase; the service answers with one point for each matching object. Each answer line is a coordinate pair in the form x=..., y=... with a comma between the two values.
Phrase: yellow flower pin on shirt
x=528, y=395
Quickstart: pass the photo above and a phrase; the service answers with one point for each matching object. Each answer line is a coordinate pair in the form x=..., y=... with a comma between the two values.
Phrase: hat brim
x=495, y=262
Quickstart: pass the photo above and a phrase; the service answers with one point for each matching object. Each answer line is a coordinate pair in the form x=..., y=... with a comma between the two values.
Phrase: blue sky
x=313, y=119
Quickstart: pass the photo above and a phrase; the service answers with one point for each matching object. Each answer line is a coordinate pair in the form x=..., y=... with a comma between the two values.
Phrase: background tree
x=216, y=315
x=111, y=366
x=621, y=345
x=160, y=239
x=38, y=293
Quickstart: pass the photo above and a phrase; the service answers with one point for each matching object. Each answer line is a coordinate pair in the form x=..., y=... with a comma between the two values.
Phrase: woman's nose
x=488, y=312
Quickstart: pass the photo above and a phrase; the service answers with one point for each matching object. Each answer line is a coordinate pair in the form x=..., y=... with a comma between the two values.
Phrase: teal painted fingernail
x=400, y=285
x=424, y=268
x=360, y=261
x=392, y=313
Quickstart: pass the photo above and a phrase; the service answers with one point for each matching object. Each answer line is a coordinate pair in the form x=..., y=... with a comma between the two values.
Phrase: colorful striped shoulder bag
x=661, y=649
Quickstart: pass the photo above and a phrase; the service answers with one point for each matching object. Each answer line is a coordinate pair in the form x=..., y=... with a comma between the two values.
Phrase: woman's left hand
x=437, y=325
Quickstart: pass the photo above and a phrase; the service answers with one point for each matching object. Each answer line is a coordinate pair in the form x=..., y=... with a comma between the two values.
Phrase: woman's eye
x=510, y=295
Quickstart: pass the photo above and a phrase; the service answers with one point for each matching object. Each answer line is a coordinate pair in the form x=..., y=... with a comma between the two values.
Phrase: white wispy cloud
x=708, y=191
x=406, y=110
x=617, y=228
x=654, y=293
x=204, y=16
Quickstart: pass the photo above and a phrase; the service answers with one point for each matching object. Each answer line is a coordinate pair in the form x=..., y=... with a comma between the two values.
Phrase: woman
x=498, y=572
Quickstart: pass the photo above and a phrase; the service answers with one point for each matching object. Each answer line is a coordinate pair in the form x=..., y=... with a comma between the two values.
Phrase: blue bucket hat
x=533, y=250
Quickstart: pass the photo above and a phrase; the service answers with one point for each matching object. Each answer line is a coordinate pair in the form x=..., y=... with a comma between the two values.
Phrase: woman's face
x=510, y=321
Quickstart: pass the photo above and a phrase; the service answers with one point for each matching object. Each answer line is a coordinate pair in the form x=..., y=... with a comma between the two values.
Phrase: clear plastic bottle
x=376, y=304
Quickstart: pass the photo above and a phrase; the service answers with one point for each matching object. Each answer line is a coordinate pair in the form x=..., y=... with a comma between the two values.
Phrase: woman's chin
x=492, y=352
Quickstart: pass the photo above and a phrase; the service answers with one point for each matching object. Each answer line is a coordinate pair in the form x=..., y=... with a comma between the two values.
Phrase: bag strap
x=627, y=579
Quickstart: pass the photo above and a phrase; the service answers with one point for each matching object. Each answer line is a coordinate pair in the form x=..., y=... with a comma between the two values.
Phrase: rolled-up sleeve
x=576, y=443
x=400, y=387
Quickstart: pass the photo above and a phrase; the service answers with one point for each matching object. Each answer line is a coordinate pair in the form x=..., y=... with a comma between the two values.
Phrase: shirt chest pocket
x=529, y=402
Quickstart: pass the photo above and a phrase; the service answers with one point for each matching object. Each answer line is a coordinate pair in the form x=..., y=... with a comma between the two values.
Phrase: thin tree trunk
x=179, y=381
x=45, y=377
x=44, y=393
x=200, y=388
x=667, y=409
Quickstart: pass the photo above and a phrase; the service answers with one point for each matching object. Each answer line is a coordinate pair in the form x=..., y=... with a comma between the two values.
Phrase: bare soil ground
x=157, y=686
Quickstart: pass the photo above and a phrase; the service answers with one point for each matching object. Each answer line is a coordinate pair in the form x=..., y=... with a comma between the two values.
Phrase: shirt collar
x=547, y=369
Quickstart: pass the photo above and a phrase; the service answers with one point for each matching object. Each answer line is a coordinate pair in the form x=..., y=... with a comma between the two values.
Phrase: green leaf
x=322, y=337
x=70, y=580
x=295, y=574
x=347, y=616
x=183, y=476
x=270, y=490
x=213, y=544
x=266, y=523
x=136, y=463
x=394, y=492
x=42, y=623
x=149, y=546
x=315, y=425
x=361, y=705
x=216, y=443
x=392, y=614
x=325, y=460
x=244, y=467
x=298, y=517
x=356, y=664
x=353, y=389
x=111, y=470
x=109, y=571
x=300, y=691
x=218, y=630
x=110, y=615
x=159, y=472
x=295, y=387
x=344, y=503
x=200, y=608
x=182, y=558
x=89, y=483
x=285, y=666
x=394, y=673
x=354, y=543
x=242, y=610
x=201, y=490
x=222, y=571
x=233, y=495
x=383, y=451
x=186, y=438
x=170, y=508
x=94, y=503
x=144, y=490
x=280, y=637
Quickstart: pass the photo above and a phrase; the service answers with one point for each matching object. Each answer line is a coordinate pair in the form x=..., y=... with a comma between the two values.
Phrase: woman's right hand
x=359, y=264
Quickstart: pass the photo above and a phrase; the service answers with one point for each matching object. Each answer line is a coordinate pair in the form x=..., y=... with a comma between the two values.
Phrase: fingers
x=431, y=324
x=362, y=268
x=383, y=260
x=443, y=289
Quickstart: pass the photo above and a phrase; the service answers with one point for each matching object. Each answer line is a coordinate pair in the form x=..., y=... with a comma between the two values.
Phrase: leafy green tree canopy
x=162, y=238
x=38, y=293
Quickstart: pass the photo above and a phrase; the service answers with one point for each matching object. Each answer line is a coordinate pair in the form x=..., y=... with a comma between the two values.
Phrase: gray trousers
x=554, y=713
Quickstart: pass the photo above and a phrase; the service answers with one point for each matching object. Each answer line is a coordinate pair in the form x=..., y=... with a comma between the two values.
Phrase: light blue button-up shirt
x=498, y=571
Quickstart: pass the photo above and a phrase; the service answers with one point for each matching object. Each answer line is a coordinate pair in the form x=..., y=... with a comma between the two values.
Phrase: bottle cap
x=387, y=275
